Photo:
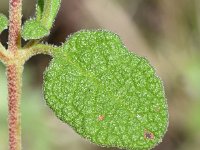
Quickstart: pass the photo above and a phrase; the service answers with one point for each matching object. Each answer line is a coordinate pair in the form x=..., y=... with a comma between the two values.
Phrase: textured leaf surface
x=106, y=93
x=3, y=22
x=50, y=11
x=39, y=9
x=34, y=30
x=46, y=11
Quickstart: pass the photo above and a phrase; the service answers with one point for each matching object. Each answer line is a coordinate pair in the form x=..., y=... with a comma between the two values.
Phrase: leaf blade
x=32, y=29
x=46, y=11
x=3, y=22
x=107, y=94
x=51, y=8
x=39, y=9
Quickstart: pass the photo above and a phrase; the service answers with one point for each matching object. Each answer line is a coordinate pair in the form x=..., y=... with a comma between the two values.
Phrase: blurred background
x=167, y=32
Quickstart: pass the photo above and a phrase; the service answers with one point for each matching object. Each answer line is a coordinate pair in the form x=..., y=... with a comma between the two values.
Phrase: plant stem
x=39, y=49
x=4, y=55
x=15, y=15
x=14, y=75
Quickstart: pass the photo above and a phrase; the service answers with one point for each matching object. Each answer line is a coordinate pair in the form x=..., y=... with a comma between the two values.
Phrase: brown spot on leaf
x=101, y=117
x=148, y=135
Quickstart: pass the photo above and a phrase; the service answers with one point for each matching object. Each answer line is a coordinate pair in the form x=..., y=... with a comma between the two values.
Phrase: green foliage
x=39, y=9
x=49, y=13
x=106, y=93
x=34, y=30
x=3, y=22
x=39, y=27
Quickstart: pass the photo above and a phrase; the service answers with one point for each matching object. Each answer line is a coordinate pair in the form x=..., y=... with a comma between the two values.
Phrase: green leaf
x=106, y=93
x=50, y=11
x=46, y=11
x=33, y=29
x=39, y=9
x=3, y=22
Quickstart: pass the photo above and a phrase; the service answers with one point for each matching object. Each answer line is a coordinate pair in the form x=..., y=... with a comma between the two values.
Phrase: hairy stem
x=4, y=55
x=14, y=75
x=39, y=49
x=31, y=43
x=14, y=39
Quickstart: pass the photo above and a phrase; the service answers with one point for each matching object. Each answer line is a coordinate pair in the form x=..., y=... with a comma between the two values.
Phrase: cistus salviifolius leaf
x=106, y=93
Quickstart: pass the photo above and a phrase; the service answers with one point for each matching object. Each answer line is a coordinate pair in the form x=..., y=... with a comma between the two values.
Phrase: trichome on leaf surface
x=106, y=93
